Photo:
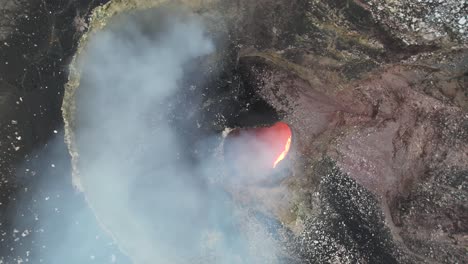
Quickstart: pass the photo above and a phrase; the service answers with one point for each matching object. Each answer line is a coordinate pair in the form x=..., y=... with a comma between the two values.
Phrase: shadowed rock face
x=378, y=167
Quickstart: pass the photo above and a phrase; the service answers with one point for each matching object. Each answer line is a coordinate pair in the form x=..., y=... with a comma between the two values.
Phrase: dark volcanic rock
x=349, y=227
x=390, y=129
x=387, y=141
x=375, y=92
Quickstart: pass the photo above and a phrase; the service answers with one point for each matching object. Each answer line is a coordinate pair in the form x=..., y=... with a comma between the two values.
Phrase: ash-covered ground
x=376, y=93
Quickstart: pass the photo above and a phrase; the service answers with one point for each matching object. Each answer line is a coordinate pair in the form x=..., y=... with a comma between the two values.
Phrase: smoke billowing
x=155, y=199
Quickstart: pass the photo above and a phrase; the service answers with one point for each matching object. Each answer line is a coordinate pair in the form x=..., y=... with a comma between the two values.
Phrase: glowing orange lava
x=280, y=141
x=261, y=148
x=284, y=153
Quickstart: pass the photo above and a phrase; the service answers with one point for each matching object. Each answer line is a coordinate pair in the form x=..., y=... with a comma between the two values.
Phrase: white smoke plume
x=154, y=200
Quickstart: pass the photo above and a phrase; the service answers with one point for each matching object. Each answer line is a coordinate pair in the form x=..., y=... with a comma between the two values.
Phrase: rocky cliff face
x=374, y=91
x=369, y=103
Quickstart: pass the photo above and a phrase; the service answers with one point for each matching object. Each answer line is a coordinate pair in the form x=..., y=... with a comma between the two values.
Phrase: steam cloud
x=156, y=202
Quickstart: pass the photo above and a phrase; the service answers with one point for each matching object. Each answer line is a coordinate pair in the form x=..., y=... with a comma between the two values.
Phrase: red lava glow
x=280, y=140
x=263, y=147
x=283, y=153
